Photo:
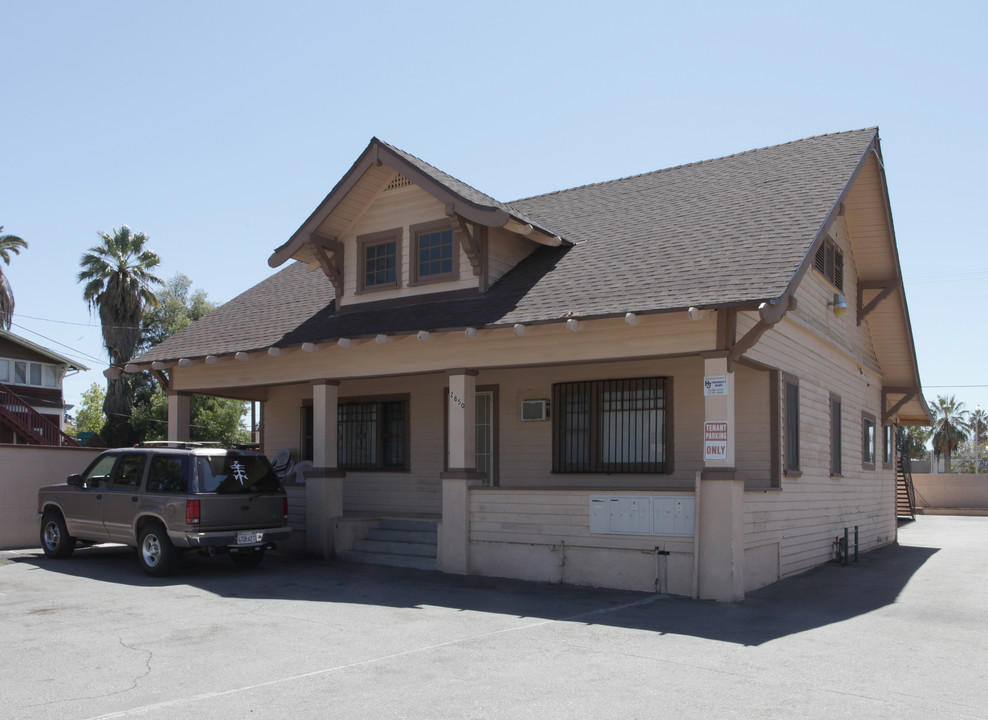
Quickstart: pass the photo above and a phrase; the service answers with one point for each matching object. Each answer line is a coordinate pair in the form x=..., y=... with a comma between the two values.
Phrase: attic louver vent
x=829, y=261
x=398, y=182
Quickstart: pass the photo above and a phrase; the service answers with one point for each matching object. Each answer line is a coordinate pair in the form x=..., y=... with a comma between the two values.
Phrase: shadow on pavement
x=828, y=594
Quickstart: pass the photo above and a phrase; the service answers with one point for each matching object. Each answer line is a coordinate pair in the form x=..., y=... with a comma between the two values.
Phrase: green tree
x=90, y=417
x=950, y=427
x=8, y=244
x=915, y=440
x=119, y=282
x=211, y=419
x=178, y=306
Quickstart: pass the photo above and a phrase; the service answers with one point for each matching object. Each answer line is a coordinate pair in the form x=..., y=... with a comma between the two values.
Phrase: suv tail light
x=284, y=507
x=191, y=512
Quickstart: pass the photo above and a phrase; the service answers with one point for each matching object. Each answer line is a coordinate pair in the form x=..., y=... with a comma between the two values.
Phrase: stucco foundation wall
x=951, y=492
x=25, y=468
x=545, y=535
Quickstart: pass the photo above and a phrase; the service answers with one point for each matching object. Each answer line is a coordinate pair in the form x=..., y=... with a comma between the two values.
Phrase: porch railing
x=34, y=427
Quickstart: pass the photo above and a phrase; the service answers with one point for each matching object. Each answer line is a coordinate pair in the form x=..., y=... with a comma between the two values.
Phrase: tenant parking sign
x=715, y=441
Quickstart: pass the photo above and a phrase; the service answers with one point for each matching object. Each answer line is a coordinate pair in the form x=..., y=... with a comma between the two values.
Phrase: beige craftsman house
x=685, y=381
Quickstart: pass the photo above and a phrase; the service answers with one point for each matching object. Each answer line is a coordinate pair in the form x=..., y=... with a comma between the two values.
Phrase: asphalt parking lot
x=901, y=634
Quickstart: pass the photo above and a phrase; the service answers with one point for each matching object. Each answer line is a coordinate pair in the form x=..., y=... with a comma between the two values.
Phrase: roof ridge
x=873, y=128
x=437, y=169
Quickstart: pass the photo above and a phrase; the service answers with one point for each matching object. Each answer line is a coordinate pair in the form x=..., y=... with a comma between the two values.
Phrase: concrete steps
x=398, y=543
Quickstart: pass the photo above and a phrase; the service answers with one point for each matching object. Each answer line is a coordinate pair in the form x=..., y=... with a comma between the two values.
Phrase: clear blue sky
x=217, y=127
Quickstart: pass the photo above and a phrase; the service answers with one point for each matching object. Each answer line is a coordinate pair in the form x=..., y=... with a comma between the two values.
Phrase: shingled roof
x=730, y=232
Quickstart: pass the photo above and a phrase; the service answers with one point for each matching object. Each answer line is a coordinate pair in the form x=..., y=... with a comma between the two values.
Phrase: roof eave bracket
x=769, y=314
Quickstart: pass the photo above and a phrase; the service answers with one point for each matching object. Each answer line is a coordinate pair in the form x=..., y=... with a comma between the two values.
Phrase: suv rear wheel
x=55, y=540
x=157, y=555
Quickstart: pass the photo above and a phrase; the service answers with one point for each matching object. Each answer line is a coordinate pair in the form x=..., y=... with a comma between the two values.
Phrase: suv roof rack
x=180, y=444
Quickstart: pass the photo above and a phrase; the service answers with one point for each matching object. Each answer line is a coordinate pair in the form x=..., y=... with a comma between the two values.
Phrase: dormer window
x=433, y=253
x=380, y=261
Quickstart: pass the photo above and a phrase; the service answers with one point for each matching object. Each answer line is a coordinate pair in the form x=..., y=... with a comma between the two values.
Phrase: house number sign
x=456, y=400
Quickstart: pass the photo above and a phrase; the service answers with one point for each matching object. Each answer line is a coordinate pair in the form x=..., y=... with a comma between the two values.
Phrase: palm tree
x=979, y=428
x=950, y=427
x=118, y=280
x=8, y=244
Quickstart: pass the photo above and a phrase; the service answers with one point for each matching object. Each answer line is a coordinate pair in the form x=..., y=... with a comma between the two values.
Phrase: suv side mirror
x=75, y=480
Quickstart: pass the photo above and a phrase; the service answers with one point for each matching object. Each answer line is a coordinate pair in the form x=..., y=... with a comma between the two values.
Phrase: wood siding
x=552, y=529
x=399, y=208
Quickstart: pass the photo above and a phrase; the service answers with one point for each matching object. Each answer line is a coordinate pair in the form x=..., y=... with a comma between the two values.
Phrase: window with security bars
x=829, y=261
x=610, y=426
x=372, y=435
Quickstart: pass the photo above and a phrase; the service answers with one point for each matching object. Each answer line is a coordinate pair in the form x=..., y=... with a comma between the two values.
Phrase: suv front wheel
x=157, y=555
x=55, y=540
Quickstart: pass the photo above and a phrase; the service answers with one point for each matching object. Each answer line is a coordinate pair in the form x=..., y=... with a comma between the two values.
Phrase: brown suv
x=167, y=498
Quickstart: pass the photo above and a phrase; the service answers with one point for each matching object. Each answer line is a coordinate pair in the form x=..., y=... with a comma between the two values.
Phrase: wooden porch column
x=324, y=482
x=178, y=416
x=720, y=562
x=454, y=533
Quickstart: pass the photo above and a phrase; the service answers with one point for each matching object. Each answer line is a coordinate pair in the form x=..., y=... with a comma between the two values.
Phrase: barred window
x=610, y=426
x=372, y=435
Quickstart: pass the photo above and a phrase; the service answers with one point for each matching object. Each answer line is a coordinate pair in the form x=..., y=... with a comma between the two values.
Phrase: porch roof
x=732, y=232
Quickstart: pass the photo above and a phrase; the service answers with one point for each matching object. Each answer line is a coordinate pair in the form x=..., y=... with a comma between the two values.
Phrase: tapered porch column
x=178, y=416
x=454, y=539
x=324, y=482
x=720, y=562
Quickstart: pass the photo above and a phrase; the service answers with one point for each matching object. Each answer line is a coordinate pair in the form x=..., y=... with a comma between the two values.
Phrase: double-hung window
x=373, y=435
x=611, y=426
x=380, y=261
x=790, y=413
x=868, y=441
x=835, y=436
x=433, y=253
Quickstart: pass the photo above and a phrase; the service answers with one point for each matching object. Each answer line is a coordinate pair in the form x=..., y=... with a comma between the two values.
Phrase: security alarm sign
x=715, y=441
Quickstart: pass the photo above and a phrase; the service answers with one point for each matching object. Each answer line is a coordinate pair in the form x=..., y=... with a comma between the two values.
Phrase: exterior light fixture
x=572, y=325
x=838, y=304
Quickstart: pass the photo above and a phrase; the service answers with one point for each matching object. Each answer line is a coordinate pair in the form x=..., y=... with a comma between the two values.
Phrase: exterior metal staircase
x=28, y=423
x=399, y=543
x=905, y=494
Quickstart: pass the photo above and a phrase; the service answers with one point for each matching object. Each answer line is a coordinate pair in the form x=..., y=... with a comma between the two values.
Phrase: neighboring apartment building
x=685, y=381
x=32, y=406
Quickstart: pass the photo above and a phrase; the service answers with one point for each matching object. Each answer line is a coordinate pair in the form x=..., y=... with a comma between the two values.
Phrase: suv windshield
x=232, y=473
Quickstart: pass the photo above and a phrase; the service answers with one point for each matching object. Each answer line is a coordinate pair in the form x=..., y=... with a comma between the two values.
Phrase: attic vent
x=829, y=261
x=398, y=182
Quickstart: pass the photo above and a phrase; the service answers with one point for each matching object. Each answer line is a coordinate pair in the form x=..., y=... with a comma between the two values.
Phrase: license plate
x=249, y=538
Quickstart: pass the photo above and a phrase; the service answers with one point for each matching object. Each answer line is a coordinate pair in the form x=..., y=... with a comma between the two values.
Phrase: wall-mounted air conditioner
x=534, y=410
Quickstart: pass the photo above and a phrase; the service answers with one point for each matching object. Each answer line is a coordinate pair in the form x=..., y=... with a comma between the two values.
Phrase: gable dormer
x=395, y=227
